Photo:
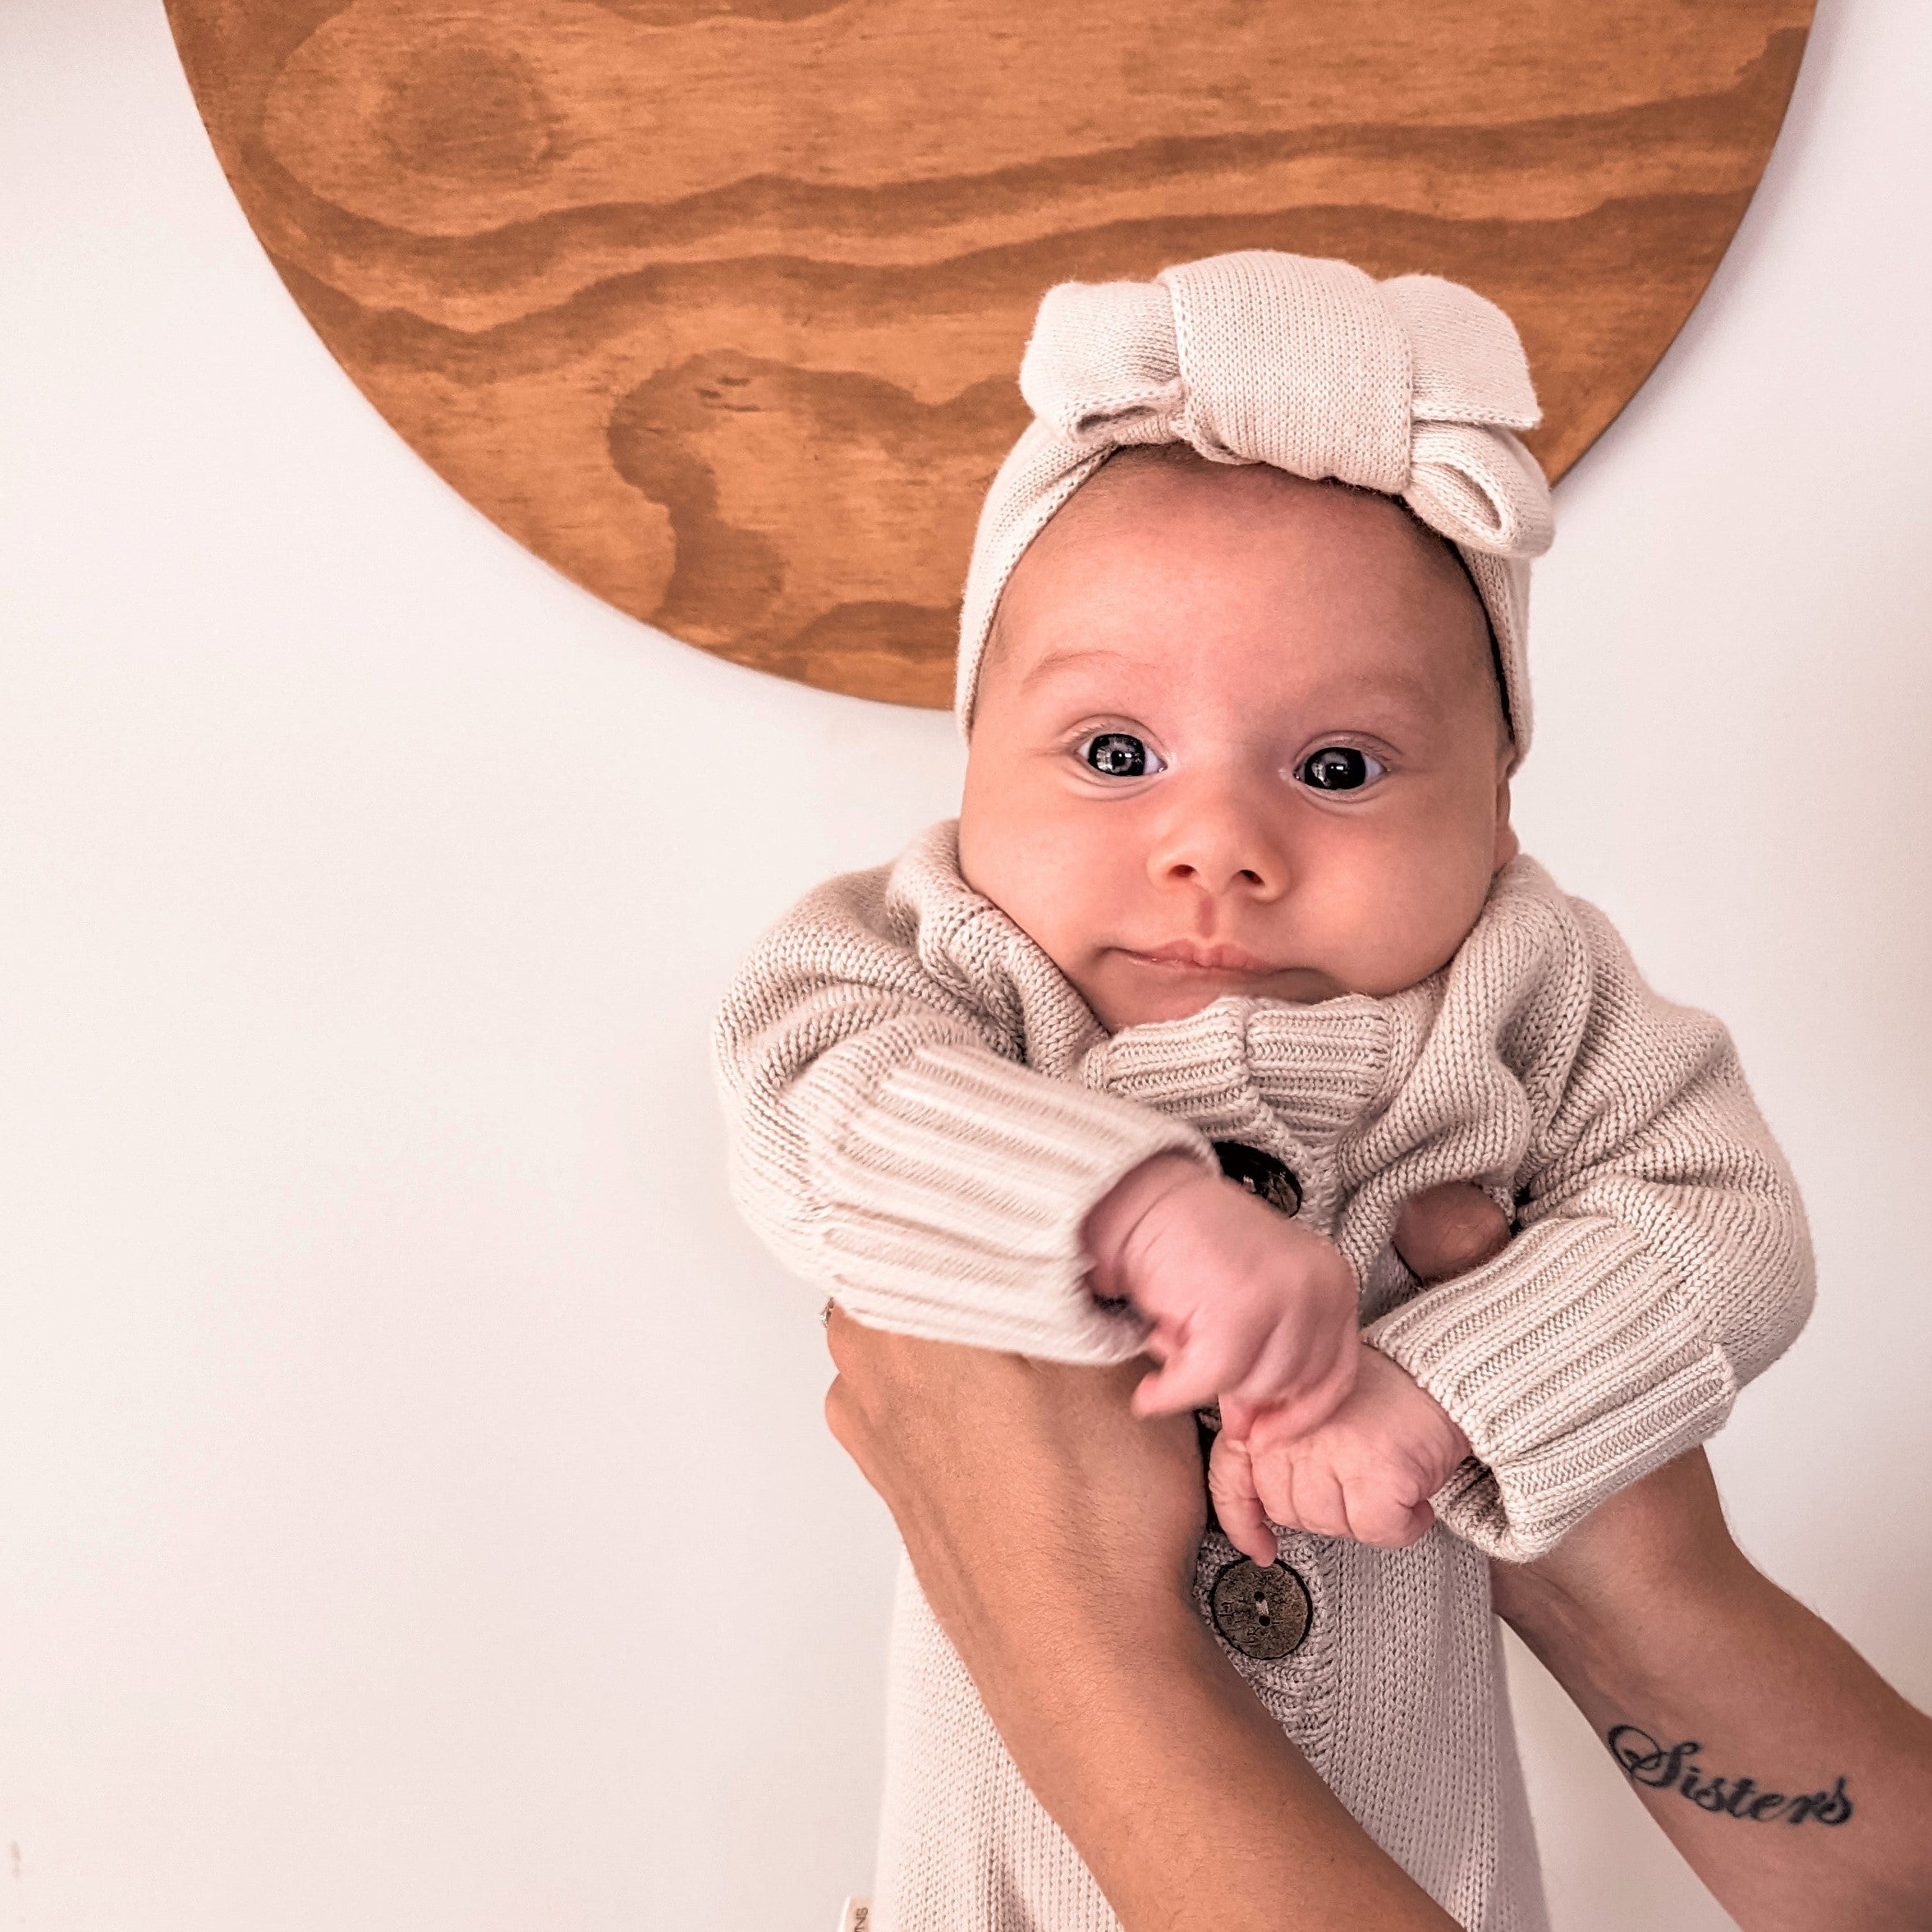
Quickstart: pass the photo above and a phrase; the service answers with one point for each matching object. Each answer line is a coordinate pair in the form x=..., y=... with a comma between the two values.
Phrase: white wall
x=414, y=1511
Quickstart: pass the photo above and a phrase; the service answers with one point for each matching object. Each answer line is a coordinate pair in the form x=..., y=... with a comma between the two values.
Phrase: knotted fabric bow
x=1412, y=387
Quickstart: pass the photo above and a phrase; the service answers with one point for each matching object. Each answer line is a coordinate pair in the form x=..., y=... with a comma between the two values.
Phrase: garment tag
x=857, y=1916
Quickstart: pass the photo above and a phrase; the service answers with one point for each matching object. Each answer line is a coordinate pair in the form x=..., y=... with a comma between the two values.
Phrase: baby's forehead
x=1166, y=511
x=1164, y=515
x=1169, y=570
x=1170, y=664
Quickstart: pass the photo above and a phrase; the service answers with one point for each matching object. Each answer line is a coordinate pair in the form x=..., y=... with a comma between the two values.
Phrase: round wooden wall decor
x=718, y=304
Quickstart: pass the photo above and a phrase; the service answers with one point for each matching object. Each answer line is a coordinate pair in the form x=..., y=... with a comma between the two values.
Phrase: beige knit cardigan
x=923, y=1113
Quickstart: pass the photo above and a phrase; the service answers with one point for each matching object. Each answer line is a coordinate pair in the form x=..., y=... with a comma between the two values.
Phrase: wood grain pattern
x=716, y=305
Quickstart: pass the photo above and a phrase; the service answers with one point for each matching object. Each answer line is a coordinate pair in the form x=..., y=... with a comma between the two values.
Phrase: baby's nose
x=1213, y=878
x=1220, y=852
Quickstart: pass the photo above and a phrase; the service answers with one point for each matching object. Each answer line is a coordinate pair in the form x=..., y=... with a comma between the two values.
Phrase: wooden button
x=1261, y=1174
x=1264, y=1613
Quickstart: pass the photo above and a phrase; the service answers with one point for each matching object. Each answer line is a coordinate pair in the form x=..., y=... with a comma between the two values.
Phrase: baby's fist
x=1367, y=1472
x=1241, y=1302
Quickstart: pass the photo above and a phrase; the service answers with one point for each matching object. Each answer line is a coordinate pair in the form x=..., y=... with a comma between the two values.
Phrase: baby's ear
x=1508, y=845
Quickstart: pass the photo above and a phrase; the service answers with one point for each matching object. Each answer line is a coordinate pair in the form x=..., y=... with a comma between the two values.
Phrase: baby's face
x=1237, y=733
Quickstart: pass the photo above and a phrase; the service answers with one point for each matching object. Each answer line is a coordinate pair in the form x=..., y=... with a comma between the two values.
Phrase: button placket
x=1267, y=1178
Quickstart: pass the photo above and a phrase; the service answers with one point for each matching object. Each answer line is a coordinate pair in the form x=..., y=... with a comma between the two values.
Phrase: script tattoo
x=1674, y=1767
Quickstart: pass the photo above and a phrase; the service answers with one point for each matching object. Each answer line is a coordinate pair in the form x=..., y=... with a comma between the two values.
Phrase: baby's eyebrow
x=1065, y=659
x=1400, y=688
x=1383, y=685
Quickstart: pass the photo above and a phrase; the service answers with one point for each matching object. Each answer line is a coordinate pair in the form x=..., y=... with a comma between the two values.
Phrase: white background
x=414, y=1508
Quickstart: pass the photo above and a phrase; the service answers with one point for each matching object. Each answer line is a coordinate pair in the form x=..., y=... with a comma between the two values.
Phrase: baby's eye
x=1339, y=767
x=1120, y=755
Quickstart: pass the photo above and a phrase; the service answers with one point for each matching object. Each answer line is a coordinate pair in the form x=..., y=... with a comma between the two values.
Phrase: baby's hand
x=1367, y=1472
x=1243, y=1303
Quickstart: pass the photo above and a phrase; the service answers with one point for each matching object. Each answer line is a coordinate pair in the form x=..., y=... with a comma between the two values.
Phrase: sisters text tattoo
x=1674, y=1767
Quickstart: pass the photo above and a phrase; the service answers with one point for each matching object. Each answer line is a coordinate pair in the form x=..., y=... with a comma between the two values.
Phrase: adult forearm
x=1055, y=1537
x=1795, y=1781
x=1188, y=1803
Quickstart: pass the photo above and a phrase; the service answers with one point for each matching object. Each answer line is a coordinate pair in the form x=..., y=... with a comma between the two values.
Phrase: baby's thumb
x=1184, y=1381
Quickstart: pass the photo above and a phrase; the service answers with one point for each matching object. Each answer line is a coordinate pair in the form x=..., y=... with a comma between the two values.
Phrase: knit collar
x=1243, y=1068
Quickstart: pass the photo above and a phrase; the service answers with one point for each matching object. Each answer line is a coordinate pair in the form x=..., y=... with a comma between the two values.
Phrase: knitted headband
x=1411, y=387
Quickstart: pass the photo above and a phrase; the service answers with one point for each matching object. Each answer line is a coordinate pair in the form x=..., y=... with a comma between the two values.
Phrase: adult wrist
x=1068, y=1683
x=1662, y=1541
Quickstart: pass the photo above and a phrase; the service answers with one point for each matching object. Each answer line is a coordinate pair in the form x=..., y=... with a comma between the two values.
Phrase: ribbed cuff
x=963, y=1185
x=1573, y=1367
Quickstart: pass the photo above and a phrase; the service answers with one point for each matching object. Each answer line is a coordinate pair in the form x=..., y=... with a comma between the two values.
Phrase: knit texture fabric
x=924, y=1112
x=1421, y=1753
x=1412, y=387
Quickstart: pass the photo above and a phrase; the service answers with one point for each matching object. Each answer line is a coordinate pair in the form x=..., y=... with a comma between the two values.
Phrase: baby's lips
x=1200, y=957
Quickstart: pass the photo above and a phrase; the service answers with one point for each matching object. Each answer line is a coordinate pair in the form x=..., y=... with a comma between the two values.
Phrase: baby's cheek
x=1051, y=878
x=1428, y=920
x=1405, y=890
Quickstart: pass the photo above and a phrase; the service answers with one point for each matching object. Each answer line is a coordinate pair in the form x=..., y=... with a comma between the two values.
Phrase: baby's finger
x=1246, y=1528
x=1237, y=1418
x=1388, y=1523
x=1231, y=1485
x=1318, y=1503
x=1283, y=1368
x=1197, y=1371
x=1171, y=1391
x=1312, y=1399
x=1274, y=1487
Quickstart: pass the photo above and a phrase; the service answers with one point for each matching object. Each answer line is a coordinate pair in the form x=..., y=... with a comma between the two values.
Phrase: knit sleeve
x=891, y=1145
x=1662, y=1261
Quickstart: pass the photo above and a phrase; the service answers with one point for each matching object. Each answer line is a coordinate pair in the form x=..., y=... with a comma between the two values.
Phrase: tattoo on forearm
x=1674, y=1767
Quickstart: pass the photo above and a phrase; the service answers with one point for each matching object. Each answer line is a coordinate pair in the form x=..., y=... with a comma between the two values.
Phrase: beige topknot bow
x=1412, y=387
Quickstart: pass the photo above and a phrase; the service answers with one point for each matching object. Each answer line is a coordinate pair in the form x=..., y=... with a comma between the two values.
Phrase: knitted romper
x=924, y=1112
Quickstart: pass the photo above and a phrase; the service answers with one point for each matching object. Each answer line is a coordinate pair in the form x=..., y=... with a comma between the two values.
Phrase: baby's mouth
x=1191, y=955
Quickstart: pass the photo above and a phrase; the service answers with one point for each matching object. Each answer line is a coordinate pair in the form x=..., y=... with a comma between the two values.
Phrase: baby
x=1228, y=1021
